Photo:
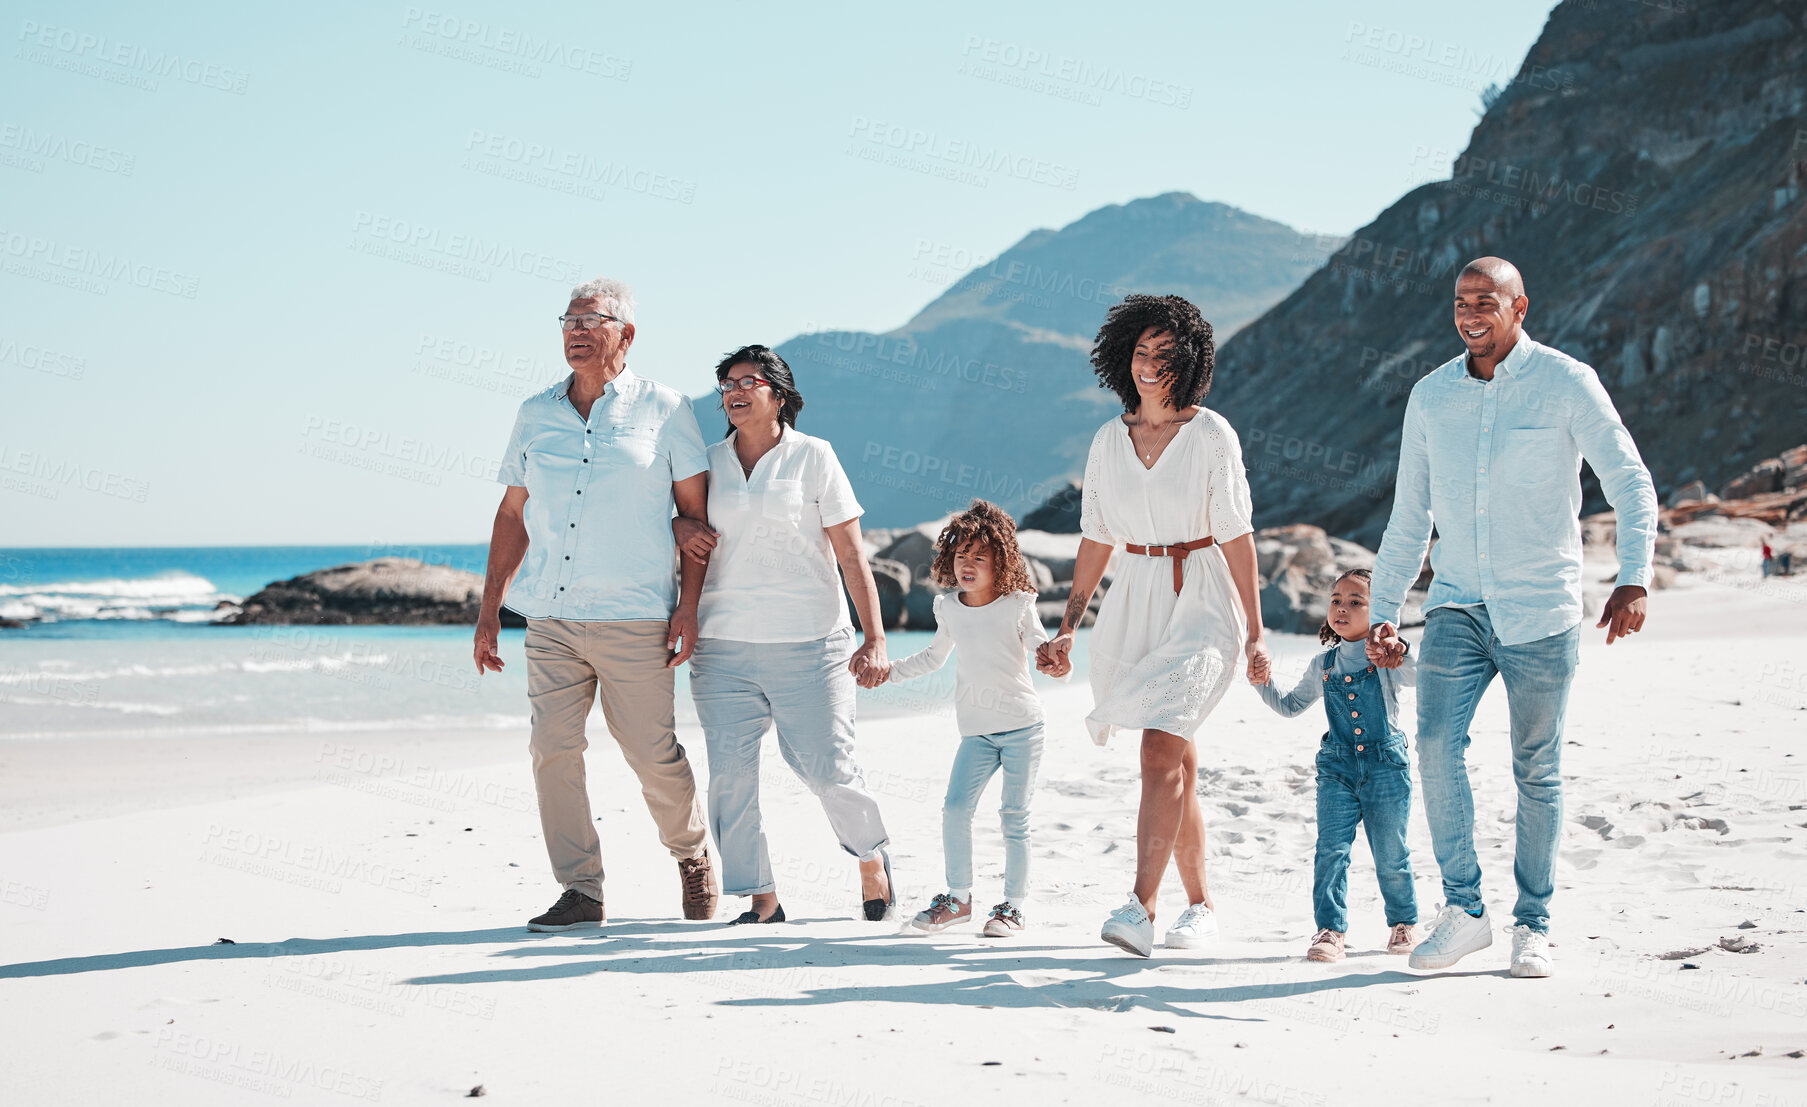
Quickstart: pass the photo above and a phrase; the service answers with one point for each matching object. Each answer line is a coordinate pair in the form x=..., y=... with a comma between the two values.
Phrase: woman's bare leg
x=1158, y=819
x=1189, y=850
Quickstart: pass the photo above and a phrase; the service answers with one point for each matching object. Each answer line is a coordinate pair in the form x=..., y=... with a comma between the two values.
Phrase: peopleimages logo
x=941, y=149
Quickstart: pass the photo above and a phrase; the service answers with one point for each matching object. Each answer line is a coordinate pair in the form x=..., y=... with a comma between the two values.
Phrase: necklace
x=1172, y=426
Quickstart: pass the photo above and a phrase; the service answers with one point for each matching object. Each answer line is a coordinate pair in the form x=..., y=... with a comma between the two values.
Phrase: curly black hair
x=989, y=525
x=1327, y=634
x=1190, y=360
x=773, y=368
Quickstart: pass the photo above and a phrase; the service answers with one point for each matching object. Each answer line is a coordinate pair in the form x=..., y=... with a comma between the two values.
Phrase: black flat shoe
x=878, y=910
x=753, y=917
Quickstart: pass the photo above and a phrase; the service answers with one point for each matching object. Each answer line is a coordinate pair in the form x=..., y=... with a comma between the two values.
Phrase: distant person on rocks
x=593, y=469
x=1165, y=481
x=776, y=648
x=1490, y=455
x=1769, y=559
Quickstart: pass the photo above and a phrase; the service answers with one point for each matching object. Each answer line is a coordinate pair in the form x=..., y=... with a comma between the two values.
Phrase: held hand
x=868, y=658
x=696, y=539
x=1054, y=656
x=1385, y=648
x=484, y=649
x=680, y=636
x=1260, y=665
x=1624, y=610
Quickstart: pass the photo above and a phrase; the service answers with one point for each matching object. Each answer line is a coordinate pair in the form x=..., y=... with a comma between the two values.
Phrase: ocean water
x=125, y=646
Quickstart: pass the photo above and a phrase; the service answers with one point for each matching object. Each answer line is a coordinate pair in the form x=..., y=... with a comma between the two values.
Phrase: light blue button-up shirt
x=599, y=502
x=1496, y=465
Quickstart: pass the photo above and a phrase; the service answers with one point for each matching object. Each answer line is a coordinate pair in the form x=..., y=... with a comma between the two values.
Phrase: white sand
x=381, y=955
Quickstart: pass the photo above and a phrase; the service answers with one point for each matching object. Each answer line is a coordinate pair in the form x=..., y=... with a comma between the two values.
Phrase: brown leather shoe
x=573, y=910
x=701, y=889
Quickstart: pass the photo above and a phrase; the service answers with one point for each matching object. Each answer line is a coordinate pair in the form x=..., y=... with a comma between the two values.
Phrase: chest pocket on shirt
x=1533, y=455
x=783, y=500
x=633, y=444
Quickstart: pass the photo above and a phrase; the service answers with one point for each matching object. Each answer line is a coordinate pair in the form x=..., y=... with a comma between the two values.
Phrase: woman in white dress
x=1164, y=482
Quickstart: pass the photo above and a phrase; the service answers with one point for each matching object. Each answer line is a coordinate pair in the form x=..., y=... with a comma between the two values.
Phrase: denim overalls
x=1364, y=777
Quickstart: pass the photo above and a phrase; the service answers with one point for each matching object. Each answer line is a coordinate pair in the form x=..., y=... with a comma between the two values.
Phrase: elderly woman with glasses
x=774, y=643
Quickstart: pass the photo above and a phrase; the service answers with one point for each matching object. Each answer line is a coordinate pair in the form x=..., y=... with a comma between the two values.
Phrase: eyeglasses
x=589, y=320
x=726, y=386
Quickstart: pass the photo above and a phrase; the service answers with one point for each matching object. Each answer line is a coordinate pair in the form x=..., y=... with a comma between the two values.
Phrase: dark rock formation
x=388, y=590
x=1645, y=171
x=1058, y=513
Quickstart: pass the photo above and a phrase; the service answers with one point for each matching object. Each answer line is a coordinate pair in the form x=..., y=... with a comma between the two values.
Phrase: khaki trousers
x=567, y=662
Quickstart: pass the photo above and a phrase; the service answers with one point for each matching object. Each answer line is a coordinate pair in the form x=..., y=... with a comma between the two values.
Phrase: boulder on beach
x=1297, y=567
x=384, y=591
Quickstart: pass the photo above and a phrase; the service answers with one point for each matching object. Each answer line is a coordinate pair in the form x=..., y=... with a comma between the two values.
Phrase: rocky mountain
x=1645, y=170
x=987, y=391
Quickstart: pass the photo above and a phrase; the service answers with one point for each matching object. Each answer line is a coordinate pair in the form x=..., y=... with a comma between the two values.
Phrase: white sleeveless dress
x=1162, y=661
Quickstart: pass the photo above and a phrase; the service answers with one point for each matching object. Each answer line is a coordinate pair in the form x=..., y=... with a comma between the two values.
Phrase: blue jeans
x=1370, y=786
x=1018, y=752
x=1458, y=659
x=805, y=690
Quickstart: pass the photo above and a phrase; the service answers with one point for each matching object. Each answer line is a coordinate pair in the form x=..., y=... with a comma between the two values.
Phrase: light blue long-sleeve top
x=1351, y=657
x=1495, y=465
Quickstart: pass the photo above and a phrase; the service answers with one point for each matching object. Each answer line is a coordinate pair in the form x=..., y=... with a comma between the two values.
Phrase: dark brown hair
x=1326, y=634
x=987, y=524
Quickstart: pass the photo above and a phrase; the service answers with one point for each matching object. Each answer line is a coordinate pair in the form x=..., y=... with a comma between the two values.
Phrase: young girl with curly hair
x=1364, y=776
x=990, y=620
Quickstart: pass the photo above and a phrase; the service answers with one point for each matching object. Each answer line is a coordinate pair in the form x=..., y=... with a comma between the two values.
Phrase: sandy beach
x=374, y=886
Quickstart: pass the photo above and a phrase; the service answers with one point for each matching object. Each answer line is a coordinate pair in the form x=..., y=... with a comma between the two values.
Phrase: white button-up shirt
x=773, y=576
x=1495, y=465
x=599, y=501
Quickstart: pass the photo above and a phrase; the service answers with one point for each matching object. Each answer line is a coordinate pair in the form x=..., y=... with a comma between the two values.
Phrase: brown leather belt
x=1177, y=551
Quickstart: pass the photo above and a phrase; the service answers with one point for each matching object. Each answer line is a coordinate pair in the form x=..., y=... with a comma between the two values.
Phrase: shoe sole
x=1445, y=960
x=1126, y=944
x=1532, y=971
x=1323, y=959
x=1000, y=932
x=550, y=928
x=931, y=928
x=1189, y=943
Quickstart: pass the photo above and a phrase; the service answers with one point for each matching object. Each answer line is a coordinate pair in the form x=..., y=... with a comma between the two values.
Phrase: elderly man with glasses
x=593, y=469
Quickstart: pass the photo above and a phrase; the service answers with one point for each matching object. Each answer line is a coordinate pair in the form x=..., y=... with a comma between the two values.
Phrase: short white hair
x=616, y=297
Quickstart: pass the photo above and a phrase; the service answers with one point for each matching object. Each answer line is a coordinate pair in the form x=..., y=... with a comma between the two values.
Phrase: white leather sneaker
x=1530, y=952
x=1454, y=935
x=1196, y=928
x=1129, y=928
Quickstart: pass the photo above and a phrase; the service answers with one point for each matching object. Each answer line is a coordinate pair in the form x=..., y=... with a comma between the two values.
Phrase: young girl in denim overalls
x=1364, y=776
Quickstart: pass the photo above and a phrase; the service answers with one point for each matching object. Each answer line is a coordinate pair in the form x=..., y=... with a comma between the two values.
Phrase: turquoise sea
x=123, y=644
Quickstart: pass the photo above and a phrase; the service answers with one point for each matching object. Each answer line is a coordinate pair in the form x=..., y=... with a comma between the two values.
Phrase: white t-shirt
x=773, y=576
x=994, y=689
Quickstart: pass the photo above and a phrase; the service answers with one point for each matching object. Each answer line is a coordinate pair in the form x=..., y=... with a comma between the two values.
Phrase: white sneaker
x=1130, y=929
x=1196, y=928
x=1454, y=935
x=1530, y=952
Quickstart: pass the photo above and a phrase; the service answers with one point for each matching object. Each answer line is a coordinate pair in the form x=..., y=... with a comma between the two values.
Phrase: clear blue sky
x=281, y=274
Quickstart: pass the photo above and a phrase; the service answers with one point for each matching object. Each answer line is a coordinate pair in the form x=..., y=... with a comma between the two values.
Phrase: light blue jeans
x=1019, y=753
x=1458, y=659
x=805, y=690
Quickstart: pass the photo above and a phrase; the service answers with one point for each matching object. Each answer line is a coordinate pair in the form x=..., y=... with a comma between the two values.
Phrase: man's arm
x=1611, y=453
x=692, y=498
x=507, y=546
x=1407, y=537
